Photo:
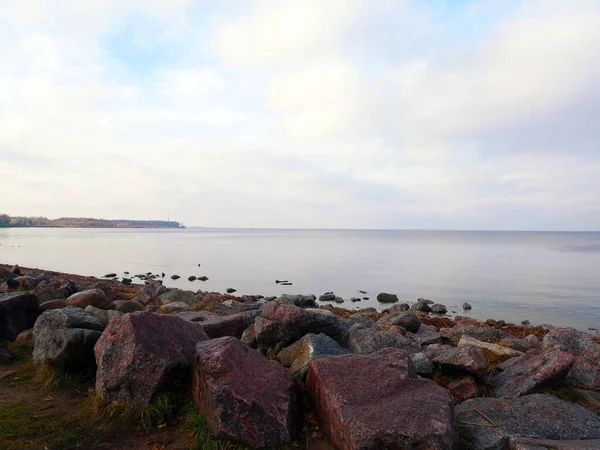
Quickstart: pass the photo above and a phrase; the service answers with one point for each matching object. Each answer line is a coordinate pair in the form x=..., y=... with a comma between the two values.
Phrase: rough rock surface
x=407, y=320
x=422, y=306
x=533, y=341
x=361, y=335
x=378, y=402
x=25, y=337
x=426, y=335
x=141, y=353
x=463, y=388
x=242, y=395
x=18, y=312
x=48, y=290
x=422, y=363
x=216, y=326
x=127, y=306
x=180, y=296
x=546, y=444
x=297, y=356
x=150, y=292
x=438, y=308
x=466, y=359
x=492, y=352
x=90, y=297
x=482, y=333
x=302, y=301
x=528, y=373
x=65, y=338
x=53, y=304
x=105, y=315
x=174, y=307
x=536, y=416
x=586, y=368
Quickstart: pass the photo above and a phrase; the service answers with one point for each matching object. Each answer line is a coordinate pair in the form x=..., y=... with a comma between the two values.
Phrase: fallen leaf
x=48, y=399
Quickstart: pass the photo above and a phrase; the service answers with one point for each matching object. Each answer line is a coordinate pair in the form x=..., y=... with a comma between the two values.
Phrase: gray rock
x=327, y=298
x=533, y=340
x=586, y=368
x=65, y=339
x=536, y=416
x=298, y=355
x=437, y=308
x=150, y=292
x=407, y=320
x=174, y=307
x=423, y=364
x=530, y=373
x=127, y=306
x=18, y=312
x=339, y=300
x=384, y=297
x=54, y=289
x=233, y=304
x=231, y=290
x=302, y=301
x=466, y=359
x=178, y=295
x=426, y=335
x=547, y=444
x=426, y=301
x=401, y=307
x=355, y=299
x=466, y=306
x=421, y=306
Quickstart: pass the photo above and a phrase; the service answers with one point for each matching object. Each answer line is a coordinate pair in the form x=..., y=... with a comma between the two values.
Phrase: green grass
x=202, y=438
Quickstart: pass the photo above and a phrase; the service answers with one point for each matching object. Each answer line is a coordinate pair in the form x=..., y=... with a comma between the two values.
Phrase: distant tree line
x=83, y=222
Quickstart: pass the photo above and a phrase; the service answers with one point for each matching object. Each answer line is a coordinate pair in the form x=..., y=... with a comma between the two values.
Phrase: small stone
x=466, y=306
x=203, y=278
x=230, y=290
x=175, y=277
x=339, y=300
x=525, y=322
x=384, y=297
x=126, y=281
x=438, y=309
x=110, y=275
x=355, y=299
x=192, y=278
x=327, y=297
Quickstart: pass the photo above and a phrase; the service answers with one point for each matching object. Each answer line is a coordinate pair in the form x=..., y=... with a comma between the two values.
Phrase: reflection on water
x=543, y=277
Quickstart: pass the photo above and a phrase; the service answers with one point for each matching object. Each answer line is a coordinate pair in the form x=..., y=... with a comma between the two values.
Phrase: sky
x=388, y=114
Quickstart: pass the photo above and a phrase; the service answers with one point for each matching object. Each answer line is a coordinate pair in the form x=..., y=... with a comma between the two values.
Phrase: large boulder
x=378, y=402
x=90, y=297
x=407, y=320
x=297, y=356
x=18, y=312
x=361, y=335
x=216, y=326
x=464, y=359
x=53, y=289
x=536, y=416
x=150, y=292
x=494, y=353
x=65, y=339
x=586, y=368
x=242, y=395
x=384, y=297
x=529, y=373
x=142, y=353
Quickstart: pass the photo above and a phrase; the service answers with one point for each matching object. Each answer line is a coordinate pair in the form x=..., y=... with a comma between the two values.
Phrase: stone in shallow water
x=378, y=402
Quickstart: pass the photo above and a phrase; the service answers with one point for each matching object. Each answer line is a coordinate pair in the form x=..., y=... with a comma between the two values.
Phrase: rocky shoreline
x=268, y=372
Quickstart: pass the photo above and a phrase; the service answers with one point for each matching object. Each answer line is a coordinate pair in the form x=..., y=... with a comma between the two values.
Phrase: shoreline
x=311, y=368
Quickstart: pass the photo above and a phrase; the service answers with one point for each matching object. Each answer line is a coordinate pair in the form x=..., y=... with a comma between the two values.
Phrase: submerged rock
x=243, y=396
x=384, y=297
x=377, y=401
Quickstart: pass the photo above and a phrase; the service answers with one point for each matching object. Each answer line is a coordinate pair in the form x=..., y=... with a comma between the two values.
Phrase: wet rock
x=533, y=341
x=339, y=300
x=203, y=278
x=530, y=373
x=466, y=359
x=142, y=353
x=384, y=297
x=525, y=322
x=327, y=298
x=174, y=307
x=231, y=290
x=180, y=296
x=110, y=275
x=175, y=277
x=297, y=356
x=426, y=301
x=407, y=320
x=92, y=297
x=18, y=312
x=65, y=338
x=127, y=306
x=216, y=326
x=53, y=304
x=233, y=304
x=378, y=402
x=192, y=278
x=126, y=281
x=494, y=353
x=355, y=299
x=423, y=364
x=463, y=388
x=466, y=306
x=437, y=308
x=537, y=416
x=421, y=306
x=586, y=368
x=243, y=396
x=546, y=444
x=302, y=301
x=426, y=335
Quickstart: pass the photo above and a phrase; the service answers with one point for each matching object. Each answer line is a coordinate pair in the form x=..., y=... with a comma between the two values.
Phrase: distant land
x=7, y=221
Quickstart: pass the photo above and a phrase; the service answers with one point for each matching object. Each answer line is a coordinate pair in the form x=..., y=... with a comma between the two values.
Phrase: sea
x=544, y=277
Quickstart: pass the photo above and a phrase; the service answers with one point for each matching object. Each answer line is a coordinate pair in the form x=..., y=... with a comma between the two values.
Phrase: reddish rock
x=216, y=326
x=586, y=368
x=18, y=312
x=214, y=297
x=377, y=402
x=127, y=306
x=547, y=444
x=466, y=359
x=141, y=353
x=91, y=297
x=242, y=395
x=463, y=388
x=392, y=328
x=53, y=304
x=150, y=292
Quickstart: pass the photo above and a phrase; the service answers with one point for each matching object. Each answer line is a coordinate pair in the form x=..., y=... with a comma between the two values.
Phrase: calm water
x=544, y=277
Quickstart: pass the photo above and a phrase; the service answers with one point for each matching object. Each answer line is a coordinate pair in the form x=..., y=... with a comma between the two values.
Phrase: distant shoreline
x=7, y=221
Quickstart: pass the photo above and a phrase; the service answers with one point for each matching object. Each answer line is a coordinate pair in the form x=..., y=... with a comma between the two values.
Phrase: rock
x=519, y=345
x=203, y=278
x=302, y=301
x=243, y=396
x=110, y=275
x=466, y=306
x=25, y=338
x=126, y=281
x=490, y=322
x=101, y=314
x=586, y=368
x=180, y=296
x=27, y=283
x=384, y=297
x=174, y=307
x=127, y=306
x=65, y=338
x=426, y=301
x=365, y=298
x=175, y=277
x=537, y=416
x=92, y=297
x=355, y=299
x=494, y=353
x=361, y=335
x=18, y=312
x=249, y=336
x=533, y=340
x=142, y=353
x=378, y=402
x=7, y=274
x=402, y=307
x=466, y=359
x=150, y=292
x=422, y=363
x=216, y=326
x=325, y=312
x=231, y=290
x=16, y=270
x=339, y=300
x=192, y=278
x=530, y=373
x=547, y=444
x=480, y=333
x=53, y=304
x=525, y=322
x=463, y=388
x=233, y=304
x=407, y=320
x=437, y=308
x=421, y=306
x=327, y=298
x=426, y=335
x=48, y=290
x=297, y=356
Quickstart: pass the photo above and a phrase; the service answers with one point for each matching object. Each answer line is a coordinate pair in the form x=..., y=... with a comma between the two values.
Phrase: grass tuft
x=144, y=416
